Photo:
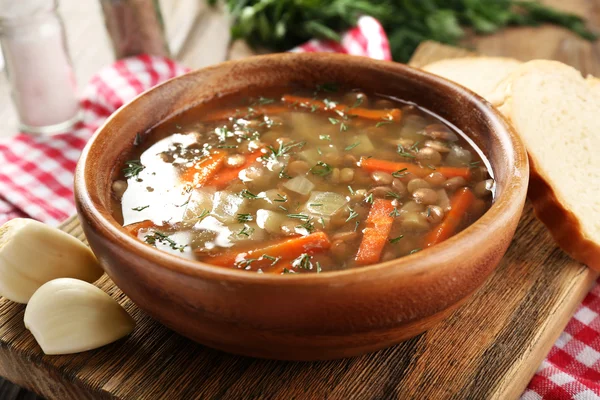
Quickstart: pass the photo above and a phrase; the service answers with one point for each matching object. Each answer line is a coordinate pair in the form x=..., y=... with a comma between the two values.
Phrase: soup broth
x=301, y=181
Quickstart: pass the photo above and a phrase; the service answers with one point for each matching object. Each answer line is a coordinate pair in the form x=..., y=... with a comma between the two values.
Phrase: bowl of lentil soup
x=302, y=206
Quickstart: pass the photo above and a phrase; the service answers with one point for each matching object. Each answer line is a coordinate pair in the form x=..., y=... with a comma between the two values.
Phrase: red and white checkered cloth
x=36, y=181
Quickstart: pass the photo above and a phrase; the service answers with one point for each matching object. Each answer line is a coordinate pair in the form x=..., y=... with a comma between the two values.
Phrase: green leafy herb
x=359, y=100
x=133, y=169
x=325, y=137
x=287, y=271
x=369, y=198
x=430, y=167
x=356, y=225
x=351, y=190
x=308, y=225
x=321, y=169
x=227, y=146
x=415, y=146
x=313, y=108
x=284, y=24
x=246, y=231
x=396, y=239
x=303, y=217
x=403, y=153
x=244, y=218
x=334, y=121
x=350, y=147
x=382, y=123
x=395, y=213
x=400, y=173
x=280, y=198
x=474, y=164
x=319, y=269
x=304, y=262
x=283, y=174
x=315, y=204
x=283, y=208
x=246, y=263
x=353, y=214
x=274, y=260
x=159, y=237
x=413, y=251
x=249, y=195
x=283, y=149
x=140, y=208
x=392, y=194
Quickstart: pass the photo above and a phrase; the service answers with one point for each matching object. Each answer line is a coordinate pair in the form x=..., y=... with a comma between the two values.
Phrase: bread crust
x=560, y=221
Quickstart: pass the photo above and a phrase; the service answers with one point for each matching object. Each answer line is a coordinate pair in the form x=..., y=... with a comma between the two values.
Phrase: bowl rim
x=509, y=202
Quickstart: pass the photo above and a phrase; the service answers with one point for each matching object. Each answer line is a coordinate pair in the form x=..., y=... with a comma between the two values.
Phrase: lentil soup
x=301, y=181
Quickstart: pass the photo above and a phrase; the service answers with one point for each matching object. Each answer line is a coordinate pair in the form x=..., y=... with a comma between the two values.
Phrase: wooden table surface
x=207, y=44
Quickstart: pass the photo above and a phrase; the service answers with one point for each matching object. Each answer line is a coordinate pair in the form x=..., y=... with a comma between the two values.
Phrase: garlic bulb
x=32, y=254
x=70, y=316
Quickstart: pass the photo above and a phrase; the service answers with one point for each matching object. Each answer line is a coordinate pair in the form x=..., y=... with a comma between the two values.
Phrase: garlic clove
x=69, y=316
x=32, y=253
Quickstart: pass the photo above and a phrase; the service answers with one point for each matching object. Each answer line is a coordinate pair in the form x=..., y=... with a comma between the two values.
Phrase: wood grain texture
x=489, y=348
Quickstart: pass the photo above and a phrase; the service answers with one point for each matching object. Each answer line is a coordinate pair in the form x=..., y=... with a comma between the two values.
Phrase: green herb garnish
x=319, y=269
x=369, y=198
x=382, y=123
x=400, y=173
x=403, y=153
x=353, y=214
x=159, y=237
x=244, y=217
x=249, y=195
x=413, y=251
x=140, y=208
x=280, y=198
x=321, y=169
x=303, y=217
x=325, y=137
x=392, y=194
x=396, y=239
x=395, y=213
x=351, y=190
x=350, y=147
x=133, y=169
x=265, y=100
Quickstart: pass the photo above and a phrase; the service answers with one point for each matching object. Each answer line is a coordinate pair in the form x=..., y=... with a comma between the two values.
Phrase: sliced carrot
x=393, y=114
x=135, y=228
x=452, y=172
x=227, y=175
x=460, y=204
x=269, y=109
x=200, y=173
x=375, y=235
x=373, y=164
x=286, y=249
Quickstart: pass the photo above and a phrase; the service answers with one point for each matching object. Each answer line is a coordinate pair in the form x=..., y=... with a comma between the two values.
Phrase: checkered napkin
x=36, y=181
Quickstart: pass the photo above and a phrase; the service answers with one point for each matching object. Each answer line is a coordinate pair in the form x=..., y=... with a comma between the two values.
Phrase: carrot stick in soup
x=375, y=235
x=201, y=172
x=393, y=114
x=460, y=204
x=373, y=165
x=138, y=226
x=452, y=172
x=286, y=249
x=227, y=175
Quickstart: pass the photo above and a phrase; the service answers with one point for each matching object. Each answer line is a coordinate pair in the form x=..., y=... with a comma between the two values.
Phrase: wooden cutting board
x=488, y=349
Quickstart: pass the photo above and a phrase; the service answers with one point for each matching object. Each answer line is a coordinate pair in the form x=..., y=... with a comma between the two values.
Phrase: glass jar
x=38, y=66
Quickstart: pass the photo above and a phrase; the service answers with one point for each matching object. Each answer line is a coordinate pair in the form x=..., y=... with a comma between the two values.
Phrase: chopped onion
x=270, y=221
x=227, y=205
x=199, y=203
x=300, y=184
x=246, y=232
x=361, y=144
x=325, y=203
x=458, y=157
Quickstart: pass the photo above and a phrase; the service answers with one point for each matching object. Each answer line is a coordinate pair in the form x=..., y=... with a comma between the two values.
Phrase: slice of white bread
x=479, y=74
x=557, y=114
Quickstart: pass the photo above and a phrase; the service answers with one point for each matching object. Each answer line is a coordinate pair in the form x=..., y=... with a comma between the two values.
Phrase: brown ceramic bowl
x=307, y=316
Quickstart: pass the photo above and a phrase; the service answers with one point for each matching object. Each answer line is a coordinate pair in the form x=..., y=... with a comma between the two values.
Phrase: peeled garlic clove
x=32, y=254
x=70, y=316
